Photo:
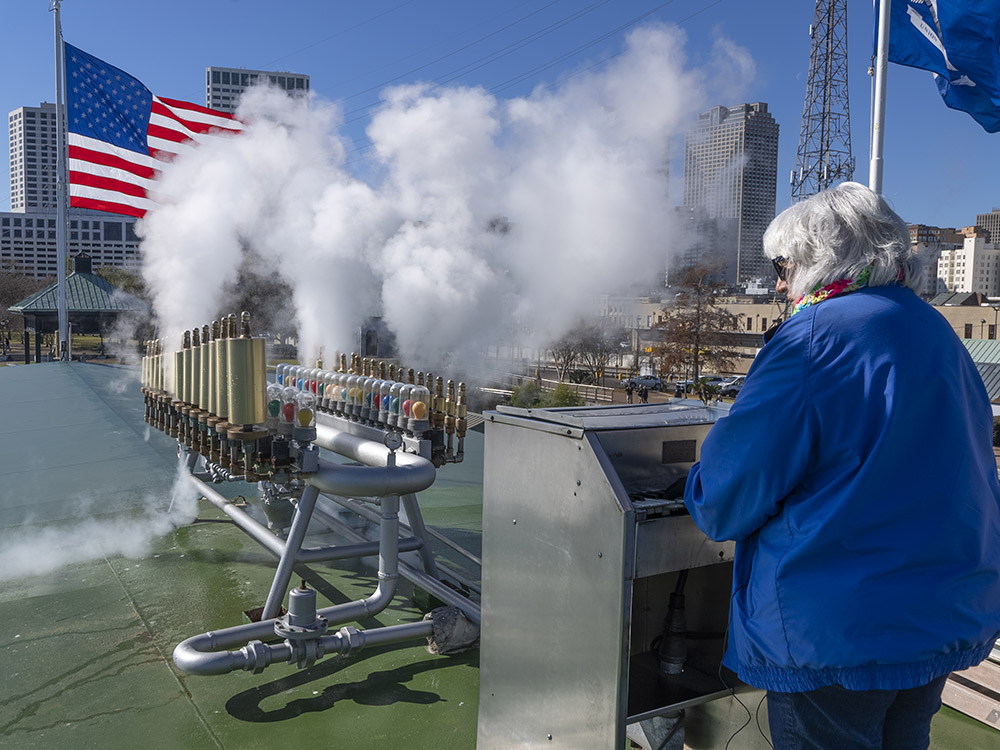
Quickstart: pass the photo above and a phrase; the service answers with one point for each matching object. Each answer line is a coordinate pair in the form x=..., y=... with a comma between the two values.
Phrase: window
x=763, y=324
x=216, y=78
x=968, y=330
x=749, y=323
x=112, y=231
x=225, y=78
x=992, y=331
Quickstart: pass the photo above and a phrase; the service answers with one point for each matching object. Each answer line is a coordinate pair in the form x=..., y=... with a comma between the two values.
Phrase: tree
x=565, y=352
x=125, y=280
x=14, y=287
x=696, y=330
x=599, y=342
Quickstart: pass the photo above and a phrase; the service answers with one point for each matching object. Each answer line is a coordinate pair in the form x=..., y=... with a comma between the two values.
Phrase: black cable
x=340, y=33
x=757, y=714
x=361, y=150
x=478, y=63
x=732, y=690
x=436, y=45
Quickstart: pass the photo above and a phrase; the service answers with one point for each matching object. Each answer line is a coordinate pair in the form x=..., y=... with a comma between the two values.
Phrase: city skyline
x=933, y=156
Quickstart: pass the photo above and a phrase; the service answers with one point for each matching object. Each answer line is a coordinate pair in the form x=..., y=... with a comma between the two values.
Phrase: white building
x=28, y=241
x=223, y=86
x=33, y=153
x=973, y=267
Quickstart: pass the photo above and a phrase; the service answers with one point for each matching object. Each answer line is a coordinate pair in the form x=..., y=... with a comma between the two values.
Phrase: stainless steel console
x=584, y=540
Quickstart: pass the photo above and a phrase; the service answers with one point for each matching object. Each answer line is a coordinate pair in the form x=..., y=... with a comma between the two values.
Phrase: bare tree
x=600, y=341
x=697, y=330
x=565, y=352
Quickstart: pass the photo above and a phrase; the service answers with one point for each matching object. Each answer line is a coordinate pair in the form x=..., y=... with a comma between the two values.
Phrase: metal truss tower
x=824, y=155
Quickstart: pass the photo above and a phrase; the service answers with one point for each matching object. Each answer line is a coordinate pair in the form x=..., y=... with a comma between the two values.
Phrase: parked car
x=731, y=386
x=689, y=385
x=651, y=382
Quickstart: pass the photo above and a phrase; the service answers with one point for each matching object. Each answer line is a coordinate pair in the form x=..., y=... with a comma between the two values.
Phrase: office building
x=28, y=241
x=223, y=86
x=989, y=225
x=701, y=240
x=730, y=169
x=973, y=267
x=33, y=153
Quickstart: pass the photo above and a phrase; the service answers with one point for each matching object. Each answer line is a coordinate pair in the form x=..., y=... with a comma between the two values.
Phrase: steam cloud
x=477, y=213
x=91, y=538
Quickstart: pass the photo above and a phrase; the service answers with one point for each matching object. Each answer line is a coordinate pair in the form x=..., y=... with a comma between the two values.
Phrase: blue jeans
x=834, y=718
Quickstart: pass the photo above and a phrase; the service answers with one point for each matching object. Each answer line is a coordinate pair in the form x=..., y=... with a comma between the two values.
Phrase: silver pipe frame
x=201, y=654
x=276, y=545
x=386, y=475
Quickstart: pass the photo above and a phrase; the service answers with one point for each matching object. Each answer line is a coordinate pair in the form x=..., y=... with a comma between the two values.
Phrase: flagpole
x=60, y=185
x=878, y=108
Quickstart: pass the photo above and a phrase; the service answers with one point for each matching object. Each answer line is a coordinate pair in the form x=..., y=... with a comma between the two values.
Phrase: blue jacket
x=856, y=473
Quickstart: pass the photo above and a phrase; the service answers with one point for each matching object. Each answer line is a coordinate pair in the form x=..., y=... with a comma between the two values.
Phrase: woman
x=868, y=541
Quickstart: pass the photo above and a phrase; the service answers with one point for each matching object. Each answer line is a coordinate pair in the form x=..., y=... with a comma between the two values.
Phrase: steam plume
x=482, y=213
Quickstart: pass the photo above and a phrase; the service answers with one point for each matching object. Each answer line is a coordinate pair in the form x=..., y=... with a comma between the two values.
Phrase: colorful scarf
x=834, y=289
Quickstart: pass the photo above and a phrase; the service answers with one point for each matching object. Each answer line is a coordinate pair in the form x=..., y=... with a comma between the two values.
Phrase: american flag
x=120, y=135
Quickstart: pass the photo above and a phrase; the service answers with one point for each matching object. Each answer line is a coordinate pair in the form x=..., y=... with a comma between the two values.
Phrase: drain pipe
x=191, y=657
x=203, y=654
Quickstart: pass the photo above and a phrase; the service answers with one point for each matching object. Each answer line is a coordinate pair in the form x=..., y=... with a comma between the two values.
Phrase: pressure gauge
x=393, y=441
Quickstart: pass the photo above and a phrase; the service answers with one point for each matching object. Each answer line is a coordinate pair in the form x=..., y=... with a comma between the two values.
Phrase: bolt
x=577, y=482
x=600, y=554
x=549, y=736
x=515, y=522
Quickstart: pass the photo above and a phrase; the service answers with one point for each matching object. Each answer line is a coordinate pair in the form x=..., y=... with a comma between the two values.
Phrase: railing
x=586, y=392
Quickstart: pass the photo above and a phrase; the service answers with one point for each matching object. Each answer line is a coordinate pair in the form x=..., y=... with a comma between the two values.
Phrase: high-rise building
x=702, y=240
x=990, y=225
x=33, y=153
x=730, y=169
x=223, y=86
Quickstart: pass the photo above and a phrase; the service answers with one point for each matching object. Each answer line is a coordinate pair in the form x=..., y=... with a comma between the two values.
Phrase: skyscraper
x=730, y=170
x=33, y=153
x=223, y=86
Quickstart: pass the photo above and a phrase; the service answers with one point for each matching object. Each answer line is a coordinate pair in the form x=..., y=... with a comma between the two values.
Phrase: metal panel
x=675, y=543
x=554, y=547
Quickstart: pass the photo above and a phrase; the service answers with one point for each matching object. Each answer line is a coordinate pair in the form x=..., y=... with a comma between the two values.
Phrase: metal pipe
x=431, y=585
x=416, y=522
x=368, y=452
x=200, y=655
x=255, y=529
x=878, y=110
x=276, y=545
x=388, y=571
x=373, y=481
x=300, y=524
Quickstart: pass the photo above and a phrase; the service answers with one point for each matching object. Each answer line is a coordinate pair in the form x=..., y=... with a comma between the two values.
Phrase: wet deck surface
x=85, y=648
x=86, y=633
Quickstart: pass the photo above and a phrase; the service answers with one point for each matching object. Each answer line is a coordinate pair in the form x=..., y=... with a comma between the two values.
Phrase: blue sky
x=940, y=166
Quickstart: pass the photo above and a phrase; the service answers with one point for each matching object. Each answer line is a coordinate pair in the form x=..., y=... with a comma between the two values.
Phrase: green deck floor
x=85, y=647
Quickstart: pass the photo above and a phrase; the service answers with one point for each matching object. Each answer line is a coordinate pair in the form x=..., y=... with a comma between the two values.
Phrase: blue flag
x=957, y=40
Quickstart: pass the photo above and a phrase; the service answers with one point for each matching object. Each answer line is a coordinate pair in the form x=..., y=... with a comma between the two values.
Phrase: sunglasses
x=780, y=267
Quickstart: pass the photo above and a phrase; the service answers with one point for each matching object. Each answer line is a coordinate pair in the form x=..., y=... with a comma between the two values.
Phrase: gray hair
x=836, y=234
